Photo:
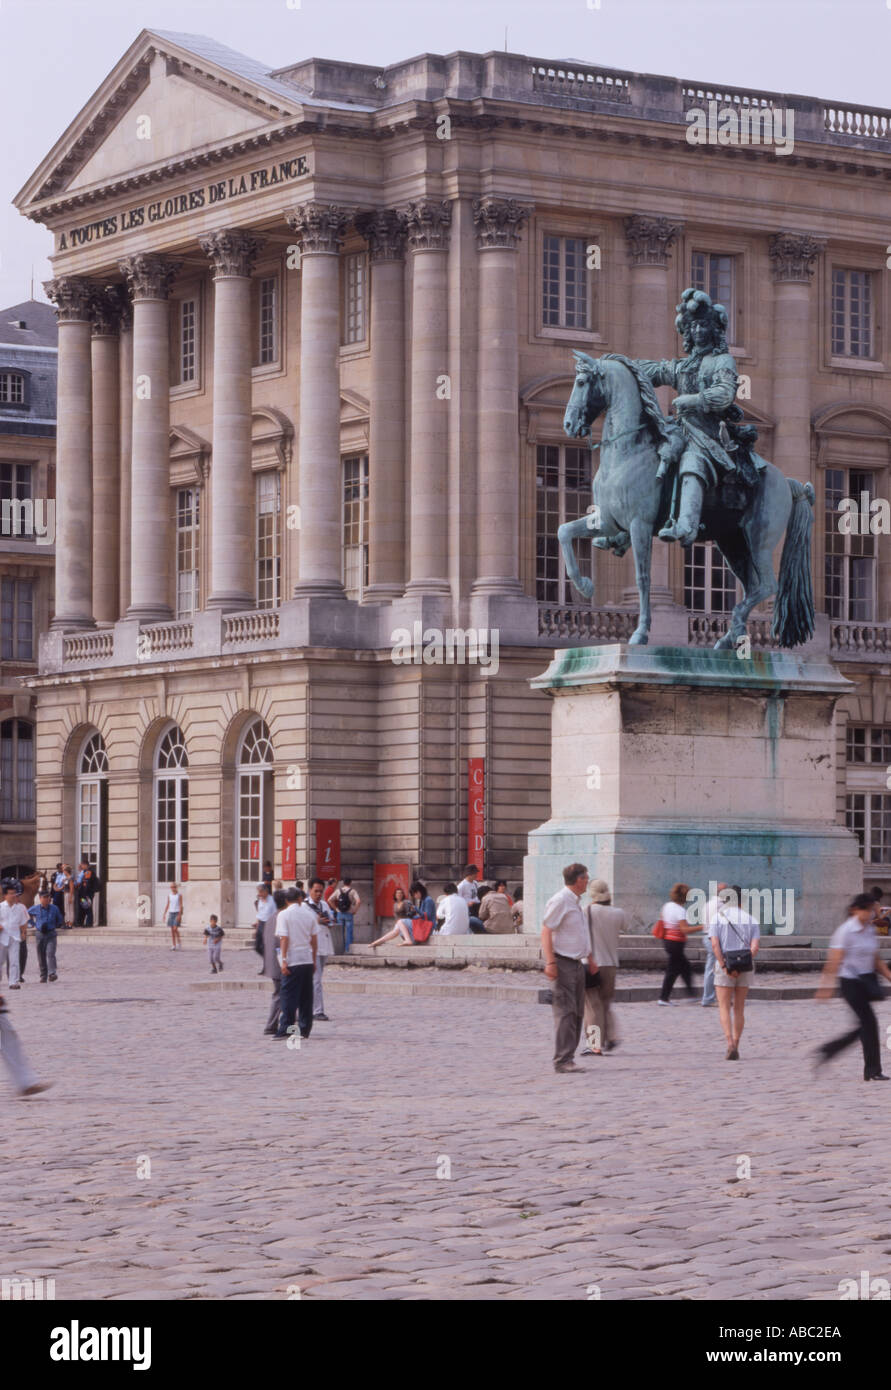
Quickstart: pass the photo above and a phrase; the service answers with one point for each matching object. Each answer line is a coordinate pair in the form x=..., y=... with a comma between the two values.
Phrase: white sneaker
x=668, y=1003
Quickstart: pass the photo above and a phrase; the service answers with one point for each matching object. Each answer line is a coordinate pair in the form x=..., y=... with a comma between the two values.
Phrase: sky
x=57, y=52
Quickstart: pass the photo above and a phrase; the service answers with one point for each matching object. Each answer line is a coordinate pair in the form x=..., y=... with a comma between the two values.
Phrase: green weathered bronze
x=693, y=477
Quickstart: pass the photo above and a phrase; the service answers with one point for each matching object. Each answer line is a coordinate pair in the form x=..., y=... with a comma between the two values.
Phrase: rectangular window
x=852, y=313
x=188, y=340
x=563, y=493
x=709, y=582
x=267, y=319
x=868, y=745
x=354, y=286
x=17, y=501
x=16, y=620
x=849, y=571
x=868, y=815
x=355, y=525
x=268, y=540
x=716, y=274
x=564, y=283
x=17, y=799
x=12, y=388
x=187, y=562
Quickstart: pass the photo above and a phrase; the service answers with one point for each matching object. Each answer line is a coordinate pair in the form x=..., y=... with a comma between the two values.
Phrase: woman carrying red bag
x=673, y=919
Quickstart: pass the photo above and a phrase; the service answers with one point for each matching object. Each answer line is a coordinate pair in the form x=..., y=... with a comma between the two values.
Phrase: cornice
x=471, y=116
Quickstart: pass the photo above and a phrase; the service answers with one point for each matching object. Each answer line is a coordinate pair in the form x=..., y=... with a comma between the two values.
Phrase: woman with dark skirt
x=855, y=962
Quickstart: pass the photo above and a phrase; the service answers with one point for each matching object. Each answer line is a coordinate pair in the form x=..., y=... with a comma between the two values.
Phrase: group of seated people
x=460, y=909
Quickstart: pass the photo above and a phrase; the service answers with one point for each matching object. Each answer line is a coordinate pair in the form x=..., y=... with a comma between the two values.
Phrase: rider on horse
x=706, y=444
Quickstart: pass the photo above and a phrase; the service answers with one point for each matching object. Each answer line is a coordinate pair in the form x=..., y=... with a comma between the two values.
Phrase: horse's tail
x=793, y=612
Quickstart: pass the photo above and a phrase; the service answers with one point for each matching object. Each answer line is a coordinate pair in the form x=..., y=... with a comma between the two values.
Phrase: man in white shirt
x=709, y=921
x=454, y=912
x=566, y=946
x=324, y=921
x=13, y=923
x=297, y=932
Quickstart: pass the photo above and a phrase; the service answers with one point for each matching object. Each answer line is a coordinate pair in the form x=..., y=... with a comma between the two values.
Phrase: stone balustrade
x=589, y=625
x=602, y=84
x=860, y=641
x=160, y=638
x=262, y=625
x=704, y=629
x=83, y=648
x=868, y=121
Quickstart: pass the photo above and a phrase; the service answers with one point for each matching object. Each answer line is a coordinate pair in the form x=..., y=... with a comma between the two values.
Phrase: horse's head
x=587, y=398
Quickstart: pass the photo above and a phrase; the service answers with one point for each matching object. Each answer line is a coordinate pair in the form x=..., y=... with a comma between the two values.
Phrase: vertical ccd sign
x=289, y=850
x=476, y=812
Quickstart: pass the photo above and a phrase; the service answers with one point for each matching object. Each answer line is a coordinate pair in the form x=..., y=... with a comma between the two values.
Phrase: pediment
x=170, y=95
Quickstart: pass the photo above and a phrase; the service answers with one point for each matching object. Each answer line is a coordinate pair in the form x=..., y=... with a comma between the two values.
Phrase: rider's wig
x=697, y=305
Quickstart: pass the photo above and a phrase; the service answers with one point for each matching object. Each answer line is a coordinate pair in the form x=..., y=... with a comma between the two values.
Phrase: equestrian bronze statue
x=693, y=477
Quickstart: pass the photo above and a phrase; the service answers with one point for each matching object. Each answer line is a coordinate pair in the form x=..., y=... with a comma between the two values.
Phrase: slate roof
x=41, y=328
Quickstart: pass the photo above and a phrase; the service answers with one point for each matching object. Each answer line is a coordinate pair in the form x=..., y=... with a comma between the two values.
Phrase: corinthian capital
x=385, y=232
x=650, y=239
x=792, y=256
x=428, y=226
x=319, y=227
x=149, y=276
x=233, y=252
x=498, y=222
x=109, y=310
x=71, y=297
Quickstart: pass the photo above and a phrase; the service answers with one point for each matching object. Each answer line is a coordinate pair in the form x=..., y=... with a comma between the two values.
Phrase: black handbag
x=870, y=982
x=737, y=962
x=592, y=981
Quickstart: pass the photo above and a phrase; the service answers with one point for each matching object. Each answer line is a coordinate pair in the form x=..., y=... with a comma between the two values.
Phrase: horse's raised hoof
x=585, y=586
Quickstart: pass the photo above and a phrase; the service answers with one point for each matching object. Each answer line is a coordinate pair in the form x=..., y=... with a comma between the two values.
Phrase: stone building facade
x=315, y=332
x=27, y=530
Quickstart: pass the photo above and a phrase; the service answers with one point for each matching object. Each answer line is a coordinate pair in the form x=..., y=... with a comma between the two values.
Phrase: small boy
x=214, y=936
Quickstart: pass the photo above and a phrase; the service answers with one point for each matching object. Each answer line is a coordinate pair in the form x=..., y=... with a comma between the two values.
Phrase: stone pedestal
x=676, y=765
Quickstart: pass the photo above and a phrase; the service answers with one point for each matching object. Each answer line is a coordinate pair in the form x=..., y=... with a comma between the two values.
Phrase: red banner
x=387, y=878
x=255, y=849
x=289, y=850
x=476, y=812
x=328, y=849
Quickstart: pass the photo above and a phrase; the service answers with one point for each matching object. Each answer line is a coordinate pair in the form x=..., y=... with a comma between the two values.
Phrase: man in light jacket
x=606, y=923
x=495, y=910
x=271, y=967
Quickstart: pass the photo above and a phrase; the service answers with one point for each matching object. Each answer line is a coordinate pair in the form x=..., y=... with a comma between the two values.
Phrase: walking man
x=24, y=1078
x=606, y=923
x=316, y=904
x=271, y=967
x=298, y=942
x=46, y=919
x=566, y=946
x=13, y=922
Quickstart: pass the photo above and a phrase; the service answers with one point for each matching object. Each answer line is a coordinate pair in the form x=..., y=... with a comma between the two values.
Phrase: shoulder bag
x=737, y=961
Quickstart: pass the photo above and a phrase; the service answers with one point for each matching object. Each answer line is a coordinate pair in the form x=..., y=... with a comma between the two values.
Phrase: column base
x=383, y=593
x=232, y=603
x=434, y=588
x=148, y=613
x=319, y=588
x=64, y=623
x=328, y=621
x=513, y=616
x=493, y=585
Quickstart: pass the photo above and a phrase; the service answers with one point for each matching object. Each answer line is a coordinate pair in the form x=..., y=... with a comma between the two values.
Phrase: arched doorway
x=254, y=814
x=92, y=814
x=171, y=815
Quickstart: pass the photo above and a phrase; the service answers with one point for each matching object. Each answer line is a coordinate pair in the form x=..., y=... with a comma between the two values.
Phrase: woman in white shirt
x=174, y=910
x=855, y=961
x=733, y=931
x=674, y=919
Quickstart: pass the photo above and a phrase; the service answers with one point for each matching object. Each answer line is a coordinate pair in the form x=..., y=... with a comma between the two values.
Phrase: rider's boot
x=686, y=528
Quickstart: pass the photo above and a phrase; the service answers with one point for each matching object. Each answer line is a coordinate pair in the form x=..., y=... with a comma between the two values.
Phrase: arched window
x=171, y=809
x=92, y=802
x=255, y=808
x=17, y=770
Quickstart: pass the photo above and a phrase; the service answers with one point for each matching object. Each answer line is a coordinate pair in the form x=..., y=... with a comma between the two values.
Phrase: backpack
x=344, y=901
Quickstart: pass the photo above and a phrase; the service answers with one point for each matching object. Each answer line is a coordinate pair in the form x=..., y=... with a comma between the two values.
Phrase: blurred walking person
x=854, y=960
x=673, y=920
x=606, y=923
x=735, y=938
x=24, y=1078
x=271, y=967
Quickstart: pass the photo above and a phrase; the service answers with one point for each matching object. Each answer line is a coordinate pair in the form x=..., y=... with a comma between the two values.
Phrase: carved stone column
x=125, y=416
x=428, y=239
x=232, y=483
x=498, y=225
x=651, y=314
x=74, y=482
x=793, y=257
x=106, y=307
x=149, y=278
x=385, y=233
x=319, y=230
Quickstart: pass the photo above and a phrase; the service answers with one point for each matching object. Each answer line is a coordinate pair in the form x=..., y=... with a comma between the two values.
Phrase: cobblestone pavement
x=275, y=1171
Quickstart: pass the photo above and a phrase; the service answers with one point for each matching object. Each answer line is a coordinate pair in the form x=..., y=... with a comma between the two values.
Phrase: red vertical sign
x=289, y=849
x=328, y=849
x=476, y=812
